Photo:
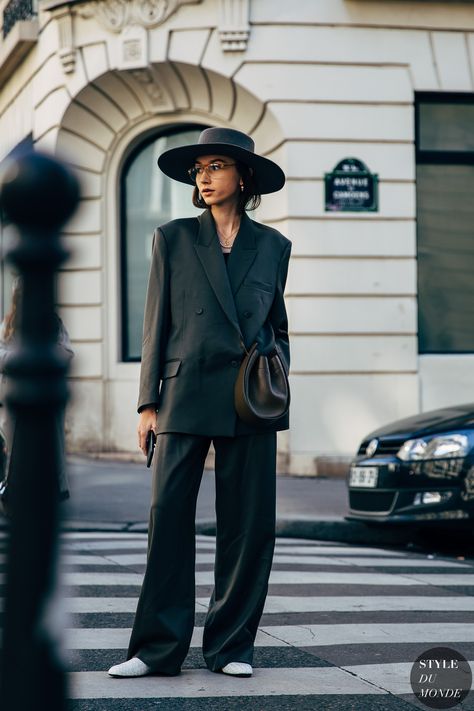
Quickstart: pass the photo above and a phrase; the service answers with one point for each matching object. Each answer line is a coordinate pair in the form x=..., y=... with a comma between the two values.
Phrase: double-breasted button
x=247, y=314
x=234, y=363
x=199, y=311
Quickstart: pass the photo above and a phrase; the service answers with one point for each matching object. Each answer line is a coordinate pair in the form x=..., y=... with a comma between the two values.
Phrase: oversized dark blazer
x=201, y=315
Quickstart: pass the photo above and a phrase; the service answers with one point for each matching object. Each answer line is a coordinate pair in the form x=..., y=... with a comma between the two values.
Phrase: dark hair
x=12, y=317
x=249, y=197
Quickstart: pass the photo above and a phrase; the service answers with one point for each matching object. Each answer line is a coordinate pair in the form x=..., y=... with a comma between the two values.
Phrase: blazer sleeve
x=155, y=324
x=278, y=317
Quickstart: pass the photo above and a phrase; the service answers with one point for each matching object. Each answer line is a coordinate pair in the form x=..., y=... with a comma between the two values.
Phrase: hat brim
x=176, y=162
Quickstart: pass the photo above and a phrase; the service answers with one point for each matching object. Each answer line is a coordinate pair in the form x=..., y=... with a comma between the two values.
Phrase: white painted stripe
x=341, y=550
x=85, y=560
x=136, y=544
x=141, y=543
x=112, y=579
x=393, y=678
x=91, y=535
x=385, y=603
x=140, y=559
x=192, y=683
x=442, y=579
x=300, y=635
x=366, y=633
x=303, y=541
x=118, y=638
x=101, y=604
x=283, y=577
x=277, y=604
x=276, y=577
x=318, y=549
x=400, y=562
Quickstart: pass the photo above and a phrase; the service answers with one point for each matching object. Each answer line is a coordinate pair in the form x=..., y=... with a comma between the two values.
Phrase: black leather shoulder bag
x=262, y=391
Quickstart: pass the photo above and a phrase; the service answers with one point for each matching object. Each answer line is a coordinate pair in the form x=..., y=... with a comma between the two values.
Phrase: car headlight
x=412, y=449
x=444, y=447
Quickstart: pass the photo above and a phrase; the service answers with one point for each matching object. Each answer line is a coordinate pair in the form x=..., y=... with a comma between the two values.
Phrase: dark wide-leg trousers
x=245, y=538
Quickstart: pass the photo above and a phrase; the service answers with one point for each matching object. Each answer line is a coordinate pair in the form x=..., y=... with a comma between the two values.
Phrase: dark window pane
x=445, y=258
x=149, y=199
x=446, y=127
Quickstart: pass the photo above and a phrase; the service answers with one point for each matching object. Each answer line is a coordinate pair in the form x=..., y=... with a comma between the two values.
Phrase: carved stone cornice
x=115, y=15
x=66, y=49
x=234, y=27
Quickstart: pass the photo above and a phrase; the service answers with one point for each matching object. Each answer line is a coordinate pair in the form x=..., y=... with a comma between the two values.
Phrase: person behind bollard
x=215, y=281
x=8, y=330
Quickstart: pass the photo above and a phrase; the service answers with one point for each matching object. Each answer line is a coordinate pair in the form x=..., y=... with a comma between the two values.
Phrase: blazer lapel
x=243, y=253
x=209, y=252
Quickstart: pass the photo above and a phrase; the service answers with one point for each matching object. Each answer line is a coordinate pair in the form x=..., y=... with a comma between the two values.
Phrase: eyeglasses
x=210, y=168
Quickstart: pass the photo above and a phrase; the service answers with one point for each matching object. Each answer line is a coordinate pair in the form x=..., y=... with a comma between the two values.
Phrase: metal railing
x=15, y=11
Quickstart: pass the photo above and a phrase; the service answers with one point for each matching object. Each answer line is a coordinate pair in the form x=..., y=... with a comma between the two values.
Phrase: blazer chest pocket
x=260, y=285
x=171, y=369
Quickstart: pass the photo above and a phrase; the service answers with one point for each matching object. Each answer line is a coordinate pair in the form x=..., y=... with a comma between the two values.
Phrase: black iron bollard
x=38, y=195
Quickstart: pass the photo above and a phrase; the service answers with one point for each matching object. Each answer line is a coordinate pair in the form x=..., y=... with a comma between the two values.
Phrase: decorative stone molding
x=67, y=50
x=132, y=48
x=146, y=79
x=115, y=15
x=234, y=27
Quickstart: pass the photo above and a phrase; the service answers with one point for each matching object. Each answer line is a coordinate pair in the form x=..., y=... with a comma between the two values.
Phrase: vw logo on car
x=372, y=447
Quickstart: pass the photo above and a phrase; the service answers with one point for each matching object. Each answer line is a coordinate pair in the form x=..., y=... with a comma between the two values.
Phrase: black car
x=416, y=470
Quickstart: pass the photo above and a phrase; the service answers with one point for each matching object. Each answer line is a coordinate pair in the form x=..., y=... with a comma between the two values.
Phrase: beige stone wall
x=319, y=80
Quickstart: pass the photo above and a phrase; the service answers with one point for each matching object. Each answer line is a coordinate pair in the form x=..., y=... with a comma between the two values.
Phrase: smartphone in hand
x=150, y=447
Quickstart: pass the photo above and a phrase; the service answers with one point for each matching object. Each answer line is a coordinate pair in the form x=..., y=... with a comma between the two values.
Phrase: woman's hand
x=146, y=422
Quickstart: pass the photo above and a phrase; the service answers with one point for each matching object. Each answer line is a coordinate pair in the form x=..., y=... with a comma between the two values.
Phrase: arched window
x=148, y=199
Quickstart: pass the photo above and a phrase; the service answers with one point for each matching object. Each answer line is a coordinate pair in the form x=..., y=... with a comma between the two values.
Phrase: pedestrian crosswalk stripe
x=393, y=678
x=97, y=536
x=324, y=577
x=106, y=545
x=278, y=604
x=140, y=559
x=287, y=577
x=202, y=683
x=141, y=543
x=300, y=635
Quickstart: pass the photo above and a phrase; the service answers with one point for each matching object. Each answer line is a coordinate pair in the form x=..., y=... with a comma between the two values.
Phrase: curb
x=330, y=530
x=336, y=530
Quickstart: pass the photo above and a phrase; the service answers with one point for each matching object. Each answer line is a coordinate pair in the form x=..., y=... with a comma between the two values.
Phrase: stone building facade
x=108, y=83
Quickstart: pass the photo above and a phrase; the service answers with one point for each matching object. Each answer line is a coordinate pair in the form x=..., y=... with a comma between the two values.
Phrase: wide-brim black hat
x=175, y=163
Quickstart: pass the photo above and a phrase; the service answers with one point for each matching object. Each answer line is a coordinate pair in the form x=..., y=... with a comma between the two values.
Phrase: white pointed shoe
x=134, y=667
x=238, y=669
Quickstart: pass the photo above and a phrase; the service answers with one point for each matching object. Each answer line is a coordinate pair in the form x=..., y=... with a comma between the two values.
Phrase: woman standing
x=215, y=281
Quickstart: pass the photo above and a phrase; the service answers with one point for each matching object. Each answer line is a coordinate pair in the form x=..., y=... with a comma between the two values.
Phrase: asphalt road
x=114, y=496
x=116, y=492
